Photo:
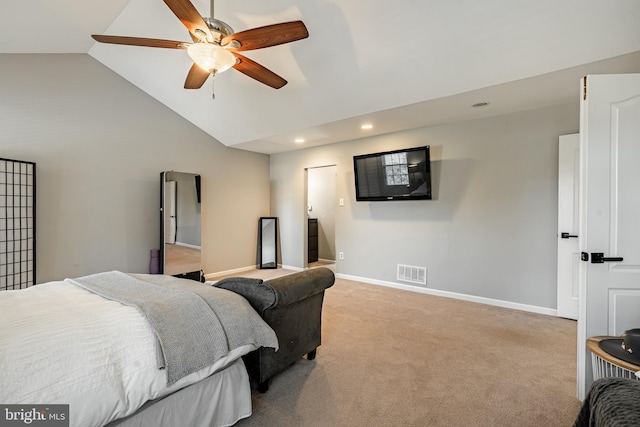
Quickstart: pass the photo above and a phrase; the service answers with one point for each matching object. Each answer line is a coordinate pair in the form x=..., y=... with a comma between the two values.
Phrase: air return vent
x=412, y=274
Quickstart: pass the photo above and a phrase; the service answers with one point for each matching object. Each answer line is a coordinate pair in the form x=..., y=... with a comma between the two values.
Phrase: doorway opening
x=320, y=202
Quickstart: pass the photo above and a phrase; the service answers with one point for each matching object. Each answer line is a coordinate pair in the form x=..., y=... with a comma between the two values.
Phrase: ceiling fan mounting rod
x=219, y=28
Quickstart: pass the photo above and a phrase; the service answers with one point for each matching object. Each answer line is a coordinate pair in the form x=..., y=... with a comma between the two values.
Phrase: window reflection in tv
x=393, y=175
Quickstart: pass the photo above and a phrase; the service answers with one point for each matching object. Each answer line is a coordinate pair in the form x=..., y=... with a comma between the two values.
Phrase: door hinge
x=584, y=88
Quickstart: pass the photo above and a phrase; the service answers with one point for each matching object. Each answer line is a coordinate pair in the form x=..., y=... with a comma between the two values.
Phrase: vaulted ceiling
x=397, y=65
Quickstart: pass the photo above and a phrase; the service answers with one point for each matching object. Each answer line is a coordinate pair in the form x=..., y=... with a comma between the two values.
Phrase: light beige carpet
x=396, y=358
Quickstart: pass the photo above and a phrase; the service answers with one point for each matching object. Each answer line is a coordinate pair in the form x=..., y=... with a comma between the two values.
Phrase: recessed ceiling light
x=299, y=140
x=366, y=126
x=480, y=104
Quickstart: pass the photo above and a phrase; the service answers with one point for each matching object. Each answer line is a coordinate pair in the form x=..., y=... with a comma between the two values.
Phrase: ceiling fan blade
x=270, y=35
x=190, y=18
x=258, y=72
x=196, y=77
x=139, y=41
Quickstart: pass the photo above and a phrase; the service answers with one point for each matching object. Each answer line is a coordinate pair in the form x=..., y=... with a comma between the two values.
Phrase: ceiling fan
x=215, y=46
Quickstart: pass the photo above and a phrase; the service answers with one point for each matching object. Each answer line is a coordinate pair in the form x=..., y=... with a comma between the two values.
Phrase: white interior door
x=610, y=212
x=568, y=209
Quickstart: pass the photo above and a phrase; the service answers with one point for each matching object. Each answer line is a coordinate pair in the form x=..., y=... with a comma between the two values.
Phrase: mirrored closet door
x=180, y=221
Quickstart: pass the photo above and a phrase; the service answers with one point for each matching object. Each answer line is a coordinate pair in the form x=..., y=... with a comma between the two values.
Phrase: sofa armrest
x=298, y=286
x=259, y=294
x=281, y=291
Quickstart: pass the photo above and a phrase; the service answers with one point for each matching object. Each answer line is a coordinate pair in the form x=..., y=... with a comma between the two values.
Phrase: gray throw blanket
x=611, y=402
x=195, y=324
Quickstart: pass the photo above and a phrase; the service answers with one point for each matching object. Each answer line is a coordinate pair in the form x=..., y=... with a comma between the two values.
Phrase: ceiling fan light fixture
x=211, y=57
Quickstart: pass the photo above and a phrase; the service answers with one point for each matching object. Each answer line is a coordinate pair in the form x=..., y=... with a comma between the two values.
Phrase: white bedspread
x=62, y=344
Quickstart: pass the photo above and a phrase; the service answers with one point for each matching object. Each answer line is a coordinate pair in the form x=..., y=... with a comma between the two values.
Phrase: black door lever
x=599, y=258
x=565, y=235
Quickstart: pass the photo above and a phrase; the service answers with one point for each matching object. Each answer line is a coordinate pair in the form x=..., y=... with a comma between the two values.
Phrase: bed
x=125, y=349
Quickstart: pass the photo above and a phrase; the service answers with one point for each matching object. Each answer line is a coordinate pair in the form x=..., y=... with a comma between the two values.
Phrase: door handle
x=599, y=258
x=565, y=235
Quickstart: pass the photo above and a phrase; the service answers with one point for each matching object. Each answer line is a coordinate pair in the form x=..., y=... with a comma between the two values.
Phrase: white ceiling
x=399, y=65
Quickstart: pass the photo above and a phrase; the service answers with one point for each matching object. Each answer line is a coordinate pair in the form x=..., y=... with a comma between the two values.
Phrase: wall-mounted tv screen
x=393, y=175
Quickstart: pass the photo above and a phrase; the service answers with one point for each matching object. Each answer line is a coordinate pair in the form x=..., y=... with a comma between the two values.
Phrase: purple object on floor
x=154, y=262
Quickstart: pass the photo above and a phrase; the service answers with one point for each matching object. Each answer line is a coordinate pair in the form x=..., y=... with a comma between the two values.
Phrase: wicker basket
x=605, y=365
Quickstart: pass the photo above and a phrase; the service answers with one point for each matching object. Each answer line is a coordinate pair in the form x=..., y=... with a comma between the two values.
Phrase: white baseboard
x=289, y=267
x=447, y=294
x=187, y=245
x=410, y=288
x=227, y=272
x=242, y=269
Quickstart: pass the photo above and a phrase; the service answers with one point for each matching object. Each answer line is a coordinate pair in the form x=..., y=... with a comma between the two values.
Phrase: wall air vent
x=412, y=274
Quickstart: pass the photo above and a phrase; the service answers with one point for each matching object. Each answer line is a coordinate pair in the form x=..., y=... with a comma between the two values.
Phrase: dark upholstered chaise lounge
x=292, y=306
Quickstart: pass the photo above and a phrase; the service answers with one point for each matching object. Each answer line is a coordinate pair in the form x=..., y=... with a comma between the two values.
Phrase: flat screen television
x=393, y=175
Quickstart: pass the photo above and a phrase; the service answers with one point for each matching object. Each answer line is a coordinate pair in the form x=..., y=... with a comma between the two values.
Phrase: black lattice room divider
x=17, y=224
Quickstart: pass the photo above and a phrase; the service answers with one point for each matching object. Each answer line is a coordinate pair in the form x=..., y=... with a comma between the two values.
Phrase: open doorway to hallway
x=320, y=221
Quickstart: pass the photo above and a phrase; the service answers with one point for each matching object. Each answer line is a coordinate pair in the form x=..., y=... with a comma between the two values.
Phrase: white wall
x=100, y=144
x=490, y=230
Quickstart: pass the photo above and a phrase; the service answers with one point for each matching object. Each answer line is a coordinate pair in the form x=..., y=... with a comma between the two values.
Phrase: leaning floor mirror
x=268, y=242
x=180, y=225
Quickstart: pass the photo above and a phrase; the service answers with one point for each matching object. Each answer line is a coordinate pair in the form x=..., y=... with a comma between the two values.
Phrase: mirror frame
x=264, y=244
